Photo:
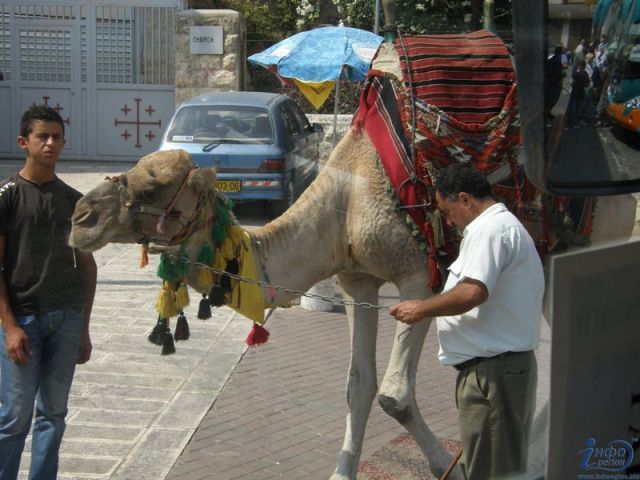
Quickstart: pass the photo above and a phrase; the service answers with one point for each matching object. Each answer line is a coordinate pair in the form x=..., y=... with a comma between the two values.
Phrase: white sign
x=206, y=40
x=594, y=423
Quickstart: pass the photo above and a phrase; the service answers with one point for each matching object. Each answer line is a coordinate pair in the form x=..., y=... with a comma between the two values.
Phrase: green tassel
x=169, y=270
x=218, y=233
x=223, y=212
x=172, y=270
x=205, y=256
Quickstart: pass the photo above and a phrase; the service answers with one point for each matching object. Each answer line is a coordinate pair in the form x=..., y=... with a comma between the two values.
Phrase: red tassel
x=257, y=336
x=144, y=255
x=432, y=263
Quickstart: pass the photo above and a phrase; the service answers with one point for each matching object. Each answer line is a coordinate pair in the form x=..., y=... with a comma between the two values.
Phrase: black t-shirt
x=40, y=271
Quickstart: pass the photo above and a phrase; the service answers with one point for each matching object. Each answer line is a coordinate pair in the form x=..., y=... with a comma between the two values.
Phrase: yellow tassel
x=166, y=304
x=220, y=262
x=235, y=234
x=205, y=280
x=226, y=249
x=438, y=229
x=182, y=297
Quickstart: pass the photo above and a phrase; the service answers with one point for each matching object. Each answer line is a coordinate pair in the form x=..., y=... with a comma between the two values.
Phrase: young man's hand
x=84, y=352
x=18, y=345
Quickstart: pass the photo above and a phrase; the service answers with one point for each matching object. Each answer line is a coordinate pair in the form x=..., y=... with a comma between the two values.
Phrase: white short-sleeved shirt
x=497, y=251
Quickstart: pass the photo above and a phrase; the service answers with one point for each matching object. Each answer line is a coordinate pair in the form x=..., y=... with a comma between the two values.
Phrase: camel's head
x=159, y=200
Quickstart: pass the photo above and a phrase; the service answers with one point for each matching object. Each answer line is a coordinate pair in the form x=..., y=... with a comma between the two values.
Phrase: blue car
x=261, y=144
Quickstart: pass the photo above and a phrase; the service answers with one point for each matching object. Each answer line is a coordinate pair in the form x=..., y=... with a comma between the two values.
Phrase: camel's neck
x=304, y=245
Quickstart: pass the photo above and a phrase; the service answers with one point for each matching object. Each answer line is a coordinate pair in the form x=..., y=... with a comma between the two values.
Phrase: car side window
x=289, y=118
x=300, y=117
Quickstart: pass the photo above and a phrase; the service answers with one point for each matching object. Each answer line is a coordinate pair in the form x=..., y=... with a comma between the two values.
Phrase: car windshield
x=221, y=124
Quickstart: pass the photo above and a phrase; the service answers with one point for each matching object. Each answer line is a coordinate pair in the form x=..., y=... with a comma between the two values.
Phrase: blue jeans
x=45, y=380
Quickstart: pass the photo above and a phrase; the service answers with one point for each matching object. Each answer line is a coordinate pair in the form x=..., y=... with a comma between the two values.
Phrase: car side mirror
x=317, y=128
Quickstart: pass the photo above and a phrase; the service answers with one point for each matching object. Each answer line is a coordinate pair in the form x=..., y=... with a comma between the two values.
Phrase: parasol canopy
x=315, y=59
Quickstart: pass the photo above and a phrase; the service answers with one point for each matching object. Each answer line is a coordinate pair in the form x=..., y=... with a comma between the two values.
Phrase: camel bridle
x=167, y=213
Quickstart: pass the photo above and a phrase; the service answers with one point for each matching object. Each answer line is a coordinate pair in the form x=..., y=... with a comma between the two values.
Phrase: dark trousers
x=574, y=109
x=496, y=403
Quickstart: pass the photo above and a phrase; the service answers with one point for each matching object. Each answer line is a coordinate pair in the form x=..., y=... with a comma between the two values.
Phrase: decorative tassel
x=205, y=280
x=225, y=284
x=217, y=296
x=218, y=233
x=182, y=328
x=219, y=262
x=257, y=336
x=182, y=297
x=432, y=263
x=155, y=336
x=233, y=266
x=204, y=308
x=173, y=269
x=168, y=347
x=438, y=229
x=144, y=255
x=166, y=301
x=205, y=256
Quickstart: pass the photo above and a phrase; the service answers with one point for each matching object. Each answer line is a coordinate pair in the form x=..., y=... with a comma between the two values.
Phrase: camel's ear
x=202, y=179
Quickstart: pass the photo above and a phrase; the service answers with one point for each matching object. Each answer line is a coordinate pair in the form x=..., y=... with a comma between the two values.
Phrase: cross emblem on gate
x=138, y=122
x=58, y=108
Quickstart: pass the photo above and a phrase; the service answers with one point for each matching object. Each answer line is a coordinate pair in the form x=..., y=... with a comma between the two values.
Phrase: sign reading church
x=206, y=40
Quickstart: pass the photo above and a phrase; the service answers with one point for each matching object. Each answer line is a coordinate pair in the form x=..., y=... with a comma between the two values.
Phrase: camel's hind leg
x=362, y=381
x=397, y=393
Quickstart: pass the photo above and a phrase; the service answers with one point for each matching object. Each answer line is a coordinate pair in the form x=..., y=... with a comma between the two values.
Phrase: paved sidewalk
x=282, y=413
x=212, y=411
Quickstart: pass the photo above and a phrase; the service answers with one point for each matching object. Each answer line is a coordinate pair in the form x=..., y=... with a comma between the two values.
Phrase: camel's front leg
x=397, y=393
x=362, y=381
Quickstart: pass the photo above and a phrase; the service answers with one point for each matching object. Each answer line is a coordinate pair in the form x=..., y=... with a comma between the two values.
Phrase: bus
x=619, y=20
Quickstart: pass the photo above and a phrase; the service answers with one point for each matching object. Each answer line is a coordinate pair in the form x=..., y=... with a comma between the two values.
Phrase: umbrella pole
x=335, y=113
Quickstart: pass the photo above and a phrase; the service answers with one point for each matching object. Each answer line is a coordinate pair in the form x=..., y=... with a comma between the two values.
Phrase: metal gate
x=106, y=67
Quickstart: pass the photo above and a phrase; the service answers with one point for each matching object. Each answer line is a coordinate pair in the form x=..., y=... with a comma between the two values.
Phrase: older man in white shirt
x=488, y=324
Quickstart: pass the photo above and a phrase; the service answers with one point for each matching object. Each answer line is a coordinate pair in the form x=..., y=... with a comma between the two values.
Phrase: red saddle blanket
x=456, y=102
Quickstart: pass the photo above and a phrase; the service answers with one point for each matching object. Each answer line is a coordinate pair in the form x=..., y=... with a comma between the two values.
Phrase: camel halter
x=162, y=214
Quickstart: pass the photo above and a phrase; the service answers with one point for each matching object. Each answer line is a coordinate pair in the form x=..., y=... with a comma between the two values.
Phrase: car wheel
x=278, y=207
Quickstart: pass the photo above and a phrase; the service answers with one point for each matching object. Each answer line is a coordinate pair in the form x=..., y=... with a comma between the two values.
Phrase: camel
x=345, y=223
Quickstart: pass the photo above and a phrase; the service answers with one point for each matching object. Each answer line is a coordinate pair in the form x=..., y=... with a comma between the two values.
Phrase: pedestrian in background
x=579, y=84
x=554, y=77
x=46, y=295
x=579, y=53
x=488, y=324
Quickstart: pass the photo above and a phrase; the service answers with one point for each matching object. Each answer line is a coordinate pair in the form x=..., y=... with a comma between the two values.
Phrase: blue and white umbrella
x=315, y=59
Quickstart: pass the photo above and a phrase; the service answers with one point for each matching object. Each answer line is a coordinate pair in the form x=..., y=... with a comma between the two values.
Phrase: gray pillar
x=198, y=73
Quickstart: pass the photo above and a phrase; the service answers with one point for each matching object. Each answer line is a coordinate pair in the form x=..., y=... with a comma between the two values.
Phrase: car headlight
x=633, y=103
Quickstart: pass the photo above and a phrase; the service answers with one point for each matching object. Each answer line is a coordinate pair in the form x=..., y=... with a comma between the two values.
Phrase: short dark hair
x=34, y=113
x=462, y=177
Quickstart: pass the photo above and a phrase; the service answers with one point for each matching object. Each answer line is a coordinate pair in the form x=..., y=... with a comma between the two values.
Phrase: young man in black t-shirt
x=46, y=295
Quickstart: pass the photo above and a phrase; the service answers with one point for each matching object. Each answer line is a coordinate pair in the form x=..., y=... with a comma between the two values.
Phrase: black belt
x=476, y=360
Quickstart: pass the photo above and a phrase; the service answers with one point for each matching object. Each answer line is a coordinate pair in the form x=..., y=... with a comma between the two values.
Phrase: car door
x=306, y=145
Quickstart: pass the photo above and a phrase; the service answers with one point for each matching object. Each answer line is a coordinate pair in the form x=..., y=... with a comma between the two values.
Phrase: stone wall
x=197, y=74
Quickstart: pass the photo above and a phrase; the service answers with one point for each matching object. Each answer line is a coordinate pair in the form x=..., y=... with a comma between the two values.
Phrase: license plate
x=229, y=185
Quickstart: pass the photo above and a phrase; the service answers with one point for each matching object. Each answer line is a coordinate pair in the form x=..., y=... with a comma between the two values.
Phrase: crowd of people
x=588, y=69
